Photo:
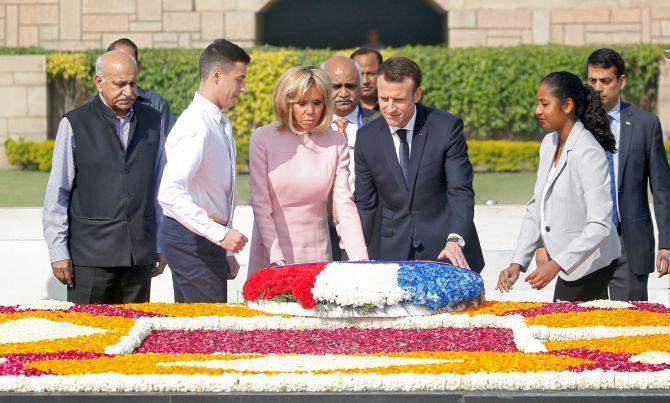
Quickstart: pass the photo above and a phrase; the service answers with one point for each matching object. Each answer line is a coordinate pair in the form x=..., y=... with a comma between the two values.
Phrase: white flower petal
x=36, y=329
x=306, y=362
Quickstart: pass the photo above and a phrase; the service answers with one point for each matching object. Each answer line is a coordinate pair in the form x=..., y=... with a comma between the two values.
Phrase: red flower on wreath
x=297, y=280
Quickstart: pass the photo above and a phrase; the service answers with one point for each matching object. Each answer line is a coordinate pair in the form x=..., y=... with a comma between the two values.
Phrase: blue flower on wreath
x=437, y=285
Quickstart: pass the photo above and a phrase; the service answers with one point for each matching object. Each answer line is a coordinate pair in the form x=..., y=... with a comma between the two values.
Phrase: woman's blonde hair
x=292, y=87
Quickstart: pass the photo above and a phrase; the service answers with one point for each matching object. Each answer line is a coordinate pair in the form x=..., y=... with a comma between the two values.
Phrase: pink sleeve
x=260, y=196
x=349, y=227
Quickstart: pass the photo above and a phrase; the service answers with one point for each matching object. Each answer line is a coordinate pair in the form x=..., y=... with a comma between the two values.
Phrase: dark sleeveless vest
x=111, y=214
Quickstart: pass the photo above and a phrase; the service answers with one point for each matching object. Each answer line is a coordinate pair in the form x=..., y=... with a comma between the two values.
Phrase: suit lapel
x=569, y=144
x=418, y=142
x=625, y=136
x=547, y=160
x=388, y=149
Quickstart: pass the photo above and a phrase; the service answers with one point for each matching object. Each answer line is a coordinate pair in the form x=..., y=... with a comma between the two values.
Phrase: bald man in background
x=100, y=212
x=348, y=118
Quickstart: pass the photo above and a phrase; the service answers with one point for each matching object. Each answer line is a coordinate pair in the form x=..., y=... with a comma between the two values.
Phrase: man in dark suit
x=348, y=118
x=641, y=159
x=414, y=165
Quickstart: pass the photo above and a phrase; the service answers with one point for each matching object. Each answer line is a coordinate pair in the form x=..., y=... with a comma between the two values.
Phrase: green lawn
x=22, y=188
x=26, y=189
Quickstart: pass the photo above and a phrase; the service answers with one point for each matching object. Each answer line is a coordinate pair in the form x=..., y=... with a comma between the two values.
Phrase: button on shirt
x=59, y=188
x=409, y=127
x=615, y=126
x=351, y=130
x=198, y=185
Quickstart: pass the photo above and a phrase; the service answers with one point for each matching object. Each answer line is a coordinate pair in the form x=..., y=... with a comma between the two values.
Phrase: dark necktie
x=403, y=156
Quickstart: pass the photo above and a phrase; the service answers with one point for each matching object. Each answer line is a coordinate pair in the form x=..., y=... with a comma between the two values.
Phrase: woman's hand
x=543, y=275
x=508, y=277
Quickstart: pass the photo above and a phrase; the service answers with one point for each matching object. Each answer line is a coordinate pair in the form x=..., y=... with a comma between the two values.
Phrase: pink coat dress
x=290, y=179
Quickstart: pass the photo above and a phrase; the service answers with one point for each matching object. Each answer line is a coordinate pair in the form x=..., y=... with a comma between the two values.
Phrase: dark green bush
x=491, y=88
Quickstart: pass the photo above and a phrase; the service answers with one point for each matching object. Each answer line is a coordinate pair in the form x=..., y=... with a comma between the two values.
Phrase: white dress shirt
x=409, y=127
x=198, y=186
x=615, y=126
x=352, y=128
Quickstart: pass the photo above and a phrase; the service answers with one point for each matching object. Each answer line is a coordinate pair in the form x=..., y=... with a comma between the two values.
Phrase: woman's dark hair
x=588, y=105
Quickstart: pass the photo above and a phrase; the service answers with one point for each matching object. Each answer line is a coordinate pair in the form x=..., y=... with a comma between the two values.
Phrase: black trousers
x=110, y=285
x=199, y=267
x=591, y=287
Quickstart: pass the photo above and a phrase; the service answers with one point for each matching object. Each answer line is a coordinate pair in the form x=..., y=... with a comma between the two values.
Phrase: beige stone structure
x=83, y=24
x=567, y=22
x=23, y=104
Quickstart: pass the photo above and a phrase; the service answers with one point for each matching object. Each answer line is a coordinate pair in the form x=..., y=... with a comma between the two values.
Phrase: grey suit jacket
x=578, y=232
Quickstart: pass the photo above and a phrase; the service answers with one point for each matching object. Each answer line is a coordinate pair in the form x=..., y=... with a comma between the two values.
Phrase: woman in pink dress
x=294, y=164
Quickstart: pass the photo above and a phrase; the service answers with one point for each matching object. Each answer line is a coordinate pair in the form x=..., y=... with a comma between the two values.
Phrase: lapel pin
x=420, y=134
x=628, y=122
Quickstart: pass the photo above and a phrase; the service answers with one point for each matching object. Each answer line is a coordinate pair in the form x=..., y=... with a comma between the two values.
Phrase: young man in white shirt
x=197, y=191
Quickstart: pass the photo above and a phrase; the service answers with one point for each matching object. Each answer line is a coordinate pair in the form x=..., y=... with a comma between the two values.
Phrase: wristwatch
x=278, y=263
x=458, y=240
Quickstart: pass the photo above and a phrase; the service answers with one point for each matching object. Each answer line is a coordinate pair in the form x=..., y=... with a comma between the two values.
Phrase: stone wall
x=23, y=103
x=575, y=26
x=84, y=24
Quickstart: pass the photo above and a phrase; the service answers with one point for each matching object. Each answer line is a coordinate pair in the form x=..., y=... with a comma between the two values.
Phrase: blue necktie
x=613, y=192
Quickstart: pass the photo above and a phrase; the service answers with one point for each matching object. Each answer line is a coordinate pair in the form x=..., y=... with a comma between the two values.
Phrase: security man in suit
x=348, y=118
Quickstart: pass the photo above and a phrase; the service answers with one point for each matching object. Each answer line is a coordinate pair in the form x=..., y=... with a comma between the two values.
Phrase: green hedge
x=485, y=155
x=491, y=88
x=30, y=155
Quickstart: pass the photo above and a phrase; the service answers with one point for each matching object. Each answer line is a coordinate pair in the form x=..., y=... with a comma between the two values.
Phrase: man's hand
x=233, y=267
x=453, y=252
x=662, y=264
x=543, y=275
x=63, y=271
x=159, y=265
x=234, y=241
x=508, y=277
x=541, y=257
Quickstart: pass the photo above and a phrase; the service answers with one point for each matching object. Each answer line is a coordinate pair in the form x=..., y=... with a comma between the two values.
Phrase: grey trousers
x=625, y=284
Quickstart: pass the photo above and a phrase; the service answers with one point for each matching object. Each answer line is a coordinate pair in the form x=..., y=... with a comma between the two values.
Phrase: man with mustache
x=369, y=61
x=100, y=216
x=349, y=117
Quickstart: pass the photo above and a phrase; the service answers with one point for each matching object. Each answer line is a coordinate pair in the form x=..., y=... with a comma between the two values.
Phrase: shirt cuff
x=59, y=253
x=217, y=232
x=461, y=241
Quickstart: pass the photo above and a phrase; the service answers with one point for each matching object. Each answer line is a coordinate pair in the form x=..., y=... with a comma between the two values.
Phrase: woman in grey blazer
x=570, y=213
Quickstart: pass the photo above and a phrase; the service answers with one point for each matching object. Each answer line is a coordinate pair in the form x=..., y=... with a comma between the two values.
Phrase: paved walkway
x=25, y=262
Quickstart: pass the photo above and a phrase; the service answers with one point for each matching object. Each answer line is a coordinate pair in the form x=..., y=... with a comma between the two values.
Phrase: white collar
x=352, y=117
x=208, y=106
x=409, y=126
